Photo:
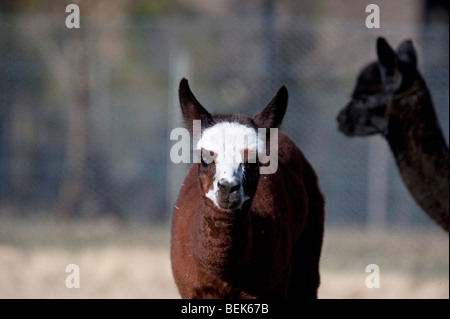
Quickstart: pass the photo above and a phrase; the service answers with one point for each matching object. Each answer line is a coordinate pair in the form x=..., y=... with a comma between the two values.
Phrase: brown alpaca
x=239, y=233
x=391, y=98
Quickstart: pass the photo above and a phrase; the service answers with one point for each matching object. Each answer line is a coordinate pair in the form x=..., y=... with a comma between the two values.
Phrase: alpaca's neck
x=421, y=153
x=223, y=241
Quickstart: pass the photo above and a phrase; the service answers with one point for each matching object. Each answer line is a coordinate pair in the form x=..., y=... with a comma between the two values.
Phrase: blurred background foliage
x=86, y=113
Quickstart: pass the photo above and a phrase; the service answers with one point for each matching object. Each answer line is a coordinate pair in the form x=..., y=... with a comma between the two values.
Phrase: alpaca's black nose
x=226, y=186
x=342, y=117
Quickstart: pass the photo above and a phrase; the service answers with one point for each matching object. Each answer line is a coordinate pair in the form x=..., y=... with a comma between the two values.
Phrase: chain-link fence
x=86, y=114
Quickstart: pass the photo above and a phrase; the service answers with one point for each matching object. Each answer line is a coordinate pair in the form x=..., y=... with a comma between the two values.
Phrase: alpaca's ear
x=190, y=107
x=272, y=115
x=387, y=57
x=407, y=53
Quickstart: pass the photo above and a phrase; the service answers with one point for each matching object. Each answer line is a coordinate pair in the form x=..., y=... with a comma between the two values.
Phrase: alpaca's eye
x=207, y=157
x=362, y=99
x=251, y=166
x=204, y=163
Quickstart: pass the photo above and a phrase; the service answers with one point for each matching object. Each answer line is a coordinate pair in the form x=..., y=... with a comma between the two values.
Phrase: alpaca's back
x=298, y=209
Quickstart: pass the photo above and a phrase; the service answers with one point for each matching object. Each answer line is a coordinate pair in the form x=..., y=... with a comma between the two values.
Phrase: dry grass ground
x=133, y=261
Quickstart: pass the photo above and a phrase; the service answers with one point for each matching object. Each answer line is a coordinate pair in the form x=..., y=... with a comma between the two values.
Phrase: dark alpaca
x=391, y=98
x=237, y=233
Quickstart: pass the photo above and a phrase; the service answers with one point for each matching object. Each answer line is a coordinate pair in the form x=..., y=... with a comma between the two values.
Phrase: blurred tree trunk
x=86, y=189
x=73, y=70
x=7, y=93
x=68, y=66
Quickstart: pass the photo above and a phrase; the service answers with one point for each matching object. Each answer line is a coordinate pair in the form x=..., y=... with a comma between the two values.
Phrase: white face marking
x=227, y=141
